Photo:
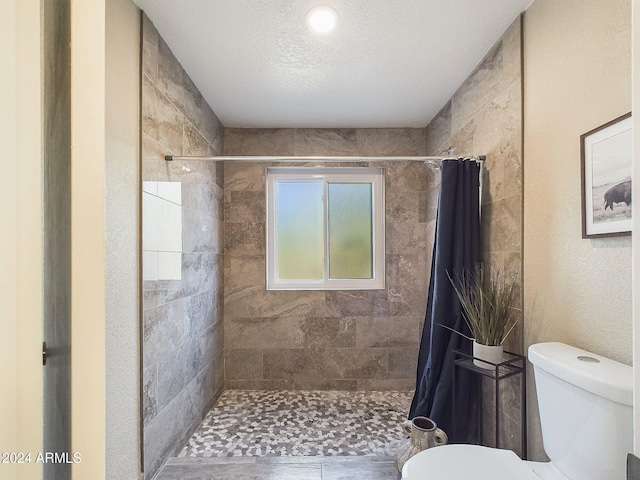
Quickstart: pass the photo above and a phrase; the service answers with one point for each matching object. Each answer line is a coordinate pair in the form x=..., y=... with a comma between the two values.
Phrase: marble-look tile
x=269, y=332
x=245, y=238
x=149, y=49
x=175, y=370
x=428, y=204
x=387, y=471
x=277, y=384
x=405, y=238
x=152, y=158
x=247, y=206
x=160, y=439
x=387, y=332
x=190, y=471
x=403, y=362
x=255, y=301
x=243, y=272
x=391, y=141
x=504, y=220
x=182, y=332
x=403, y=302
x=160, y=119
x=209, y=347
x=512, y=45
x=405, y=271
x=326, y=332
x=511, y=398
x=388, y=384
x=201, y=311
x=464, y=139
x=244, y=176
x=243, y=364
x=292, y=363
x=406, y=177
x=510, y=436
x=479, y=86
x=505, y=108
x=368, y=303
x=219, y=168
x=310, y=383
x=200, y=232
x=438, y=132
x=510, y=425
x=149, y=393
x=183, y=94
x=258, y=141
x=194, y=144
x=163, y=328
x=402, y=207
x=407, y=283
x=279, y=468
x=324, y=142
x=200, y=272
x=504, y=173
x=356, y=363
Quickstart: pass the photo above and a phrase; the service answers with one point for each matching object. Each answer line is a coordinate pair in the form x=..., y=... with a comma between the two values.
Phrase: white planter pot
x=490, y=353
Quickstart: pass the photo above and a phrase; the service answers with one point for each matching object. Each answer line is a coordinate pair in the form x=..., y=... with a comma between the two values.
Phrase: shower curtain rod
x=277, y=158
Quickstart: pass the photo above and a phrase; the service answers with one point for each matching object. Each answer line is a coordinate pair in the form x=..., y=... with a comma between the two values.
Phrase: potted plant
x=487, y=302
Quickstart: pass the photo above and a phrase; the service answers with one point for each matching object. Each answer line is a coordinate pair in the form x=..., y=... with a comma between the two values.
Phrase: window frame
x=326, y=175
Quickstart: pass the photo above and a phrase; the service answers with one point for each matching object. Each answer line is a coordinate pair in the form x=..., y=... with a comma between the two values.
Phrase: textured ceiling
x=389, y=63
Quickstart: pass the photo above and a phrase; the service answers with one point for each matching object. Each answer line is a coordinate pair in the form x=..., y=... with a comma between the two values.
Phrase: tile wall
x=346, y=340
x=484, y=116
x=183, y=365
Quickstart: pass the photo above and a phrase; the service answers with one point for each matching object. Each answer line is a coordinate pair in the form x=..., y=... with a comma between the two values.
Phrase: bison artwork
x=617, y=194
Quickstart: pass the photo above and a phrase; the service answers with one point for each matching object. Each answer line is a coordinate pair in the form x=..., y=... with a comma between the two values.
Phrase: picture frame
x=606, y=163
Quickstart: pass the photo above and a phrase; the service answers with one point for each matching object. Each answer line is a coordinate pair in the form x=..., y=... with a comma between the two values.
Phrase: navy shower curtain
x=456, y=248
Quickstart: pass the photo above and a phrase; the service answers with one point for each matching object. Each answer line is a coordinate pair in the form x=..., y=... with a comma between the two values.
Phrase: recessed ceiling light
x=322, y=18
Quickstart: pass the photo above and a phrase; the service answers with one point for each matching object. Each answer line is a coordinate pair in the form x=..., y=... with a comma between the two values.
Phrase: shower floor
x=301, y=423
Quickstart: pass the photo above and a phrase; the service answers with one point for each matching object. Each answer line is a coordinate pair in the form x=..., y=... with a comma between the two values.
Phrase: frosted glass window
x=325, y=228
x=350, y=230
x=299, y=231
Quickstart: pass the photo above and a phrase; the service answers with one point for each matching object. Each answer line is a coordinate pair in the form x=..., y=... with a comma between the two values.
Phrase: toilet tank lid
x=598, y=375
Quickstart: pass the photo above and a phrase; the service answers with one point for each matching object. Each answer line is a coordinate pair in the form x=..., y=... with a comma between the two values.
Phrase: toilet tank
x=585, y=404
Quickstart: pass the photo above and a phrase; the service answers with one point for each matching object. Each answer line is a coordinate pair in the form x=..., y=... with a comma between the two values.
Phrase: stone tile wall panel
x=485, y=117
x=318, y=339
x=183, y=359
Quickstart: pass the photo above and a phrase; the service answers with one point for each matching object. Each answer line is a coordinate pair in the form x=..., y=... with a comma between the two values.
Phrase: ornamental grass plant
x=487, y=301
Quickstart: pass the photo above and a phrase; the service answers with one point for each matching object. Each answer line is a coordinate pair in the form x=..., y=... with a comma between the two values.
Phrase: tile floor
x=295, y=435
x=279, y=468
x=301, y=423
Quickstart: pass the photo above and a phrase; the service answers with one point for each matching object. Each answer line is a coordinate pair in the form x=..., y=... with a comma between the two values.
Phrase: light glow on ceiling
x=322, y=18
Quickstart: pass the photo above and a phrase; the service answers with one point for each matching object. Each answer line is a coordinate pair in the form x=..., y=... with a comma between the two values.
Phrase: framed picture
x=607, y=160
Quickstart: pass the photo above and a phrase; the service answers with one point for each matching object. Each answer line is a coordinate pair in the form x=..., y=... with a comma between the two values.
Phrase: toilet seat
x=466, y=462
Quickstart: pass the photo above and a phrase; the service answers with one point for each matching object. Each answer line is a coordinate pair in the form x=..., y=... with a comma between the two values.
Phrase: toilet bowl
x=586, y=418
x=473, y=462
x=470, y=462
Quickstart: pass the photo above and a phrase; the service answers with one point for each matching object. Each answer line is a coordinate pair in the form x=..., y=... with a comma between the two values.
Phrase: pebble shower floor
x=301, y=423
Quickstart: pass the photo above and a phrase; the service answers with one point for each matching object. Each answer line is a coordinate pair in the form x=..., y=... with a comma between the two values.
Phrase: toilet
x=585, y=404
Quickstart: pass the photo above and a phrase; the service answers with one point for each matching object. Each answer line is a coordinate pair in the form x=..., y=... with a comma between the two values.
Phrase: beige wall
x=577, y=77
x=87, y=231
x=122, y=184
x=20, y=236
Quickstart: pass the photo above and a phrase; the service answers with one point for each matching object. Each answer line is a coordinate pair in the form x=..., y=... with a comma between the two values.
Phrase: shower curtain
x=456, y=248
